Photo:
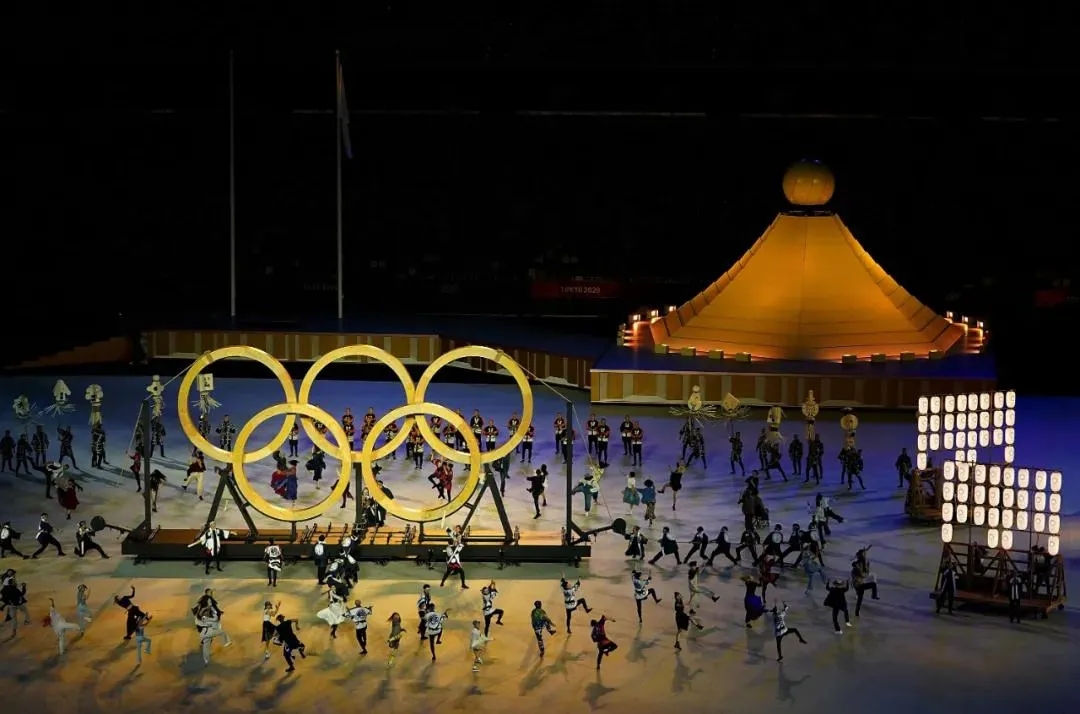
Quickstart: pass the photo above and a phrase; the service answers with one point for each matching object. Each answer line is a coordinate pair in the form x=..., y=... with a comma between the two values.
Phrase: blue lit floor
x=899, y=658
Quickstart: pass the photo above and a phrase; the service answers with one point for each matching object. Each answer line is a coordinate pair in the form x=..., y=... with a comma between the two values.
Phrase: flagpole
x=337, y=153
x=232, y=192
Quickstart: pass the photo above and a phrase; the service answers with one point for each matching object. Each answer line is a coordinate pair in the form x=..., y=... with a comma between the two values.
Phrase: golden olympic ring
x=255, y=498
x=503, y=360
x=359, y=351
x=183, y=408
x=464, y=493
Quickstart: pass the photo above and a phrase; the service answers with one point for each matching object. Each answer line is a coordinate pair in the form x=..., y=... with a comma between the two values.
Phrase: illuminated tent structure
x=808, y=291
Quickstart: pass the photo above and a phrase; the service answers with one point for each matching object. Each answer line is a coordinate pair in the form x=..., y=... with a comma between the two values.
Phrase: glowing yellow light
x=999, y=437
x=995, y=475
x=1023, y=478
x=1010, y=399
x=980, y=473
x=1053, y=545
x=961, y=440
x=922, y=442
x=961, y=422
x=1021, y=520
x=980, y=495
x=984, y=439
x=946, y=532
x=973, y=402
x=1006, y=519
x=948, y=491
x=1055, y=503
x=984, y=420
x=1010, y=436
x=1055, y=481
x=1008, y=497
x=921, y=460
x=1010, y=417
x=1006, y=539
x=1040, y=480
x=993, y=496
x=948, y=470
x=654, y=313
x=1039, y=523
x=1053, y=524
x=935, y=423
x=961, y=402
x=935, y=405
x=635, y=318
x=924, y=425
x=1040, y=501
x=924, y=406
x=947, y=512
x=999, y=400
x=999, y=419
x=935, y=442
x=992, y=538
x=1022, y=500
x=950, y=422
x=993, y=517
x=1010, y=454
x=950, y=403
x=963, y=493
x=984, y=401
x=948, y=440
x=671, y=308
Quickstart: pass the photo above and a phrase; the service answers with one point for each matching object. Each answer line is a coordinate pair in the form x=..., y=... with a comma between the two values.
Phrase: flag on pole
x=343, y=111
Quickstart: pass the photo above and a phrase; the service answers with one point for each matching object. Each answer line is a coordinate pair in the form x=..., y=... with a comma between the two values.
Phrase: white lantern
x=999, y=400
x=1038, y=523
x=1008, y=476
x=1022, y=500
x=973, y=402
x=921, y=460
x=1040, y=501
x=924, y=424
x=946, y=532
x=1010, y=436
x=1008, y=497
x=948, y=491
x=979, y=515
x=935, y=442
x=1006, y=539
x=950, y=403
x=995, y=475
x=1006, y=519
x=984, y=439
x=1010, y=454
x=961, y=513
x=1055, y=503
x=972, y=457
x=1010, y=417
x=947, y=512
x=1010, y=399
x=999, y=419
x=984, y=420
x=1040, y=480
x=961, y=422
x=992, y=538
x=1053, y=545
x=963, y=494
x=961, y=402
x=924, y=405
x=984, y=401
x=1023, y=478
x=993, y=496
x=960, y=456
x=950, y=422
x=973, y=436
x=922, y=442
x=1055, y=482
x=961, y=440
x=948, y=441
x=963, y=471
x=999, y=437
x=980, y=473
x=980, y=495
x=993, y=517
x=935, y=423
x=1021, y=520
x=935, y=405
x=1053, y=524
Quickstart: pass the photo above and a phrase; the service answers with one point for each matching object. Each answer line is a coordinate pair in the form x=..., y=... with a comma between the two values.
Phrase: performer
x=698, y=543
x=761, y=447
x=225, y=431
x=40, y=444
x=269, y=629
x=273, y=557
x=82, y=608
x=794, y=544
x=491, y=435
x=813, y=563
x=683, y=620
x=334, y=613
x=815, y=456
x=24, y=455
x=674, y=483
x=208, y=622
x=414, y=447
x=1014, y=584
x=142, y=642
x=7, y=451
x=7, y=537
x=810, y=412
x=903, y=468
x=590, y=489
x=157, y=436
x=97, y=447
x=433, y=627
x=527, y=445
x=648, y=499
x=133, y=612
x=723, y=547
x=749, y=540
x=321, y=558
x=136, y=469
x=773, y=460
x=668, y=546
x=389, y=433
x=625, y=429
x=394, y=641
x=211, y=540
x=947, y=594
x=766, y=576
x=862, y=578
x=65, y=437
x=696, y=588
x=604, y=646
x=422, y=609
x=316, y=464
x=13, y=599
x=752, y=604
x=45, y=537
x=636, y=548
x=84, y=541
x=837, y=601
x=502, y=467
x=488, y=593
x=795, y=453
x=477, y=642
x=512, y=426
x=156, y=479
x=204, y=430
x=453, y=564
x=637, y=444
x=569, y=436
x=294, y=441
x=67, y=492
x=642, y=591
x=559, y=426
x=603, y=436
x=571, y=601
x=781, y=630
x=359, y=616
x=774, y=542
x=290, y=642
x=592, y=432
x=476, y=423
x=540, y=622
x=196, y=470
x=536, y=489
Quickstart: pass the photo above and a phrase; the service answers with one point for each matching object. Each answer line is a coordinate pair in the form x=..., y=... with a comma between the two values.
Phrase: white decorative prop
x=95, y=395
x=967, y=425
x=61, y=396
x=206, y=402
x=157, y=396
x=24, y=412
x=773, y=418
x=697, y=411
x=810, y=411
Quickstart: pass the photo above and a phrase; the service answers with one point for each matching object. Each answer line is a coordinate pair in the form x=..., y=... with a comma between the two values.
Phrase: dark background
x=495, y=143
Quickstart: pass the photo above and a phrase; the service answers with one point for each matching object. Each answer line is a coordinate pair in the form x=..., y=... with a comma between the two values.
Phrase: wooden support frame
x=923, y=501
x=982, y=577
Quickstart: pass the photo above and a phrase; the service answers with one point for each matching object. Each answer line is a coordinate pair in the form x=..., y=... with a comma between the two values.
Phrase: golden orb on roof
x=809, y=183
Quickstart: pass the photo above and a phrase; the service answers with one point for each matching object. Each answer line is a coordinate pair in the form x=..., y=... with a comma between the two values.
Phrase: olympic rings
x=183, y=408
x=359, y=351
x=503, y=360
x=256, y=499
x=464, y=493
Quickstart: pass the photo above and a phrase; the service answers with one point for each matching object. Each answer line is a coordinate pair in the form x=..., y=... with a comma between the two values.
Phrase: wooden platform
x=1039, y=606
x=982, y=578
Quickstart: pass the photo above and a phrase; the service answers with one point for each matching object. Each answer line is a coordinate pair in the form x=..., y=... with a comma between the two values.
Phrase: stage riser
x=480, y=553
x=789, y=390
x=1027, y=607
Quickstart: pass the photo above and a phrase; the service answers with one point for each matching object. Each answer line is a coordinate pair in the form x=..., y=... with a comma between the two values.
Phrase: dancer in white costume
x=60, y=626
x=334, y=614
